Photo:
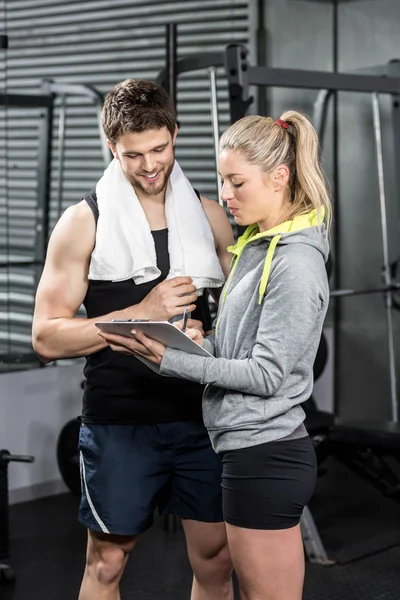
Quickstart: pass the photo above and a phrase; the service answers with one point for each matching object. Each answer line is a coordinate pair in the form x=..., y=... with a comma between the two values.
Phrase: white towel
x=125, y=247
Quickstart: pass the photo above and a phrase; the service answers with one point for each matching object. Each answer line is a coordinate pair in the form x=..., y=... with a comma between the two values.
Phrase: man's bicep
x=63, y=284
x=222, y=232
x=61, y=290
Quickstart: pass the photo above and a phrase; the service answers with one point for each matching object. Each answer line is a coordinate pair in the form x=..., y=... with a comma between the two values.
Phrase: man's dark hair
x=136, y=105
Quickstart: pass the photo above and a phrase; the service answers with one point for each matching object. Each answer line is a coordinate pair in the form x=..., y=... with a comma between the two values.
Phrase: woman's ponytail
x=309, y=187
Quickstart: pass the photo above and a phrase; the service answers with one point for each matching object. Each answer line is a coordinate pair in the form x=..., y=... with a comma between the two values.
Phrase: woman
x=264, y=342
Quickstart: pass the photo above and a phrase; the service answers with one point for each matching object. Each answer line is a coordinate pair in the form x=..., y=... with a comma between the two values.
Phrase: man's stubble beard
x=152, y=191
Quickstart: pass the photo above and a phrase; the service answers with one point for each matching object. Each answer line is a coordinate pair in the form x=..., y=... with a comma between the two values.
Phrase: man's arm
x=223, y=237
x=56, y=331
x=222, y=231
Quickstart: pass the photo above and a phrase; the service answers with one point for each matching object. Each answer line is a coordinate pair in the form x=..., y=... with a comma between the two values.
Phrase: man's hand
x=169, y=299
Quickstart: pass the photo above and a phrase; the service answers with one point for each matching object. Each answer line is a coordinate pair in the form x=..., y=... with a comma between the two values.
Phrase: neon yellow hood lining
x=252, y=233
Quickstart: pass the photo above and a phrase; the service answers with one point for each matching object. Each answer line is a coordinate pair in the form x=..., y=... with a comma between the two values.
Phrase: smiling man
x=142, y=244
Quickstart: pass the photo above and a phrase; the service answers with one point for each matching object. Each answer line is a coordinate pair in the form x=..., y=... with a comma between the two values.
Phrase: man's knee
x=107, y=556
x=215, y=565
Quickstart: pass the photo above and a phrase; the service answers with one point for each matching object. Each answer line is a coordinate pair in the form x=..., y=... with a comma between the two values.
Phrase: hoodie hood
x=303, y=229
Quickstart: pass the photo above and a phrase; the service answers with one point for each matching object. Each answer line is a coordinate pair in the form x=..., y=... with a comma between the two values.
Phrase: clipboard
x=161, y=331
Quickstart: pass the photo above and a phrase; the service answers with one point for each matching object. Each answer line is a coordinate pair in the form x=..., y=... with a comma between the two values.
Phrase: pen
x=185, y=319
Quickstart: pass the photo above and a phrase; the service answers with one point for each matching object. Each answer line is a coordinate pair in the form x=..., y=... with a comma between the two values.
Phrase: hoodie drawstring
x=267, y=267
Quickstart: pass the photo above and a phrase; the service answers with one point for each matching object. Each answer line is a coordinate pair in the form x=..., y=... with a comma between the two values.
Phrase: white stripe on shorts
x=92, y=508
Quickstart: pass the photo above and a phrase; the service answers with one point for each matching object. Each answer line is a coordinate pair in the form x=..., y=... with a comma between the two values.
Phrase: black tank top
x=120, y=389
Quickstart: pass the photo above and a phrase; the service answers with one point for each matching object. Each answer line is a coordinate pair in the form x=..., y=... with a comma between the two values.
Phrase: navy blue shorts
x=127, y=471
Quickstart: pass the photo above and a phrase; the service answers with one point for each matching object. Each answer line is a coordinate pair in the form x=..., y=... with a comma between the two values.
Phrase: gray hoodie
x=267, y=333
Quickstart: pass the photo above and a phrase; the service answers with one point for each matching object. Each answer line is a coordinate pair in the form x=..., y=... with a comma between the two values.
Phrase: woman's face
x=251, y=195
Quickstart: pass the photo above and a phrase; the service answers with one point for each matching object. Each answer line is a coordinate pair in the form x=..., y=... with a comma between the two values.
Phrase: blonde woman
x=264, y=342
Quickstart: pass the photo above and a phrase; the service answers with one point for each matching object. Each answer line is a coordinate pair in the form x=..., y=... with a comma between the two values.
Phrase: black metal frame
x=241, y=76
x=174, y=67
x=44, y=101
x=6, y=573
x=62, y=90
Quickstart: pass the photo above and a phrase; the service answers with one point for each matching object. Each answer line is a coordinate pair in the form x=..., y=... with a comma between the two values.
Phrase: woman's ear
x=281, y=176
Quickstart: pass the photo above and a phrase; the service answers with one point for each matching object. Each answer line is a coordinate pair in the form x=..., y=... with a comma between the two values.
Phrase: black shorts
x=268, y=486
x=127, y=471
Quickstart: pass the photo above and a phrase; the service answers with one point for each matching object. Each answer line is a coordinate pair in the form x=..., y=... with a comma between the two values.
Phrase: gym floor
x=360, y=529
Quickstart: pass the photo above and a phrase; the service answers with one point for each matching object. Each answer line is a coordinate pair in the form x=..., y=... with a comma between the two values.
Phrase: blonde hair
x=268, y=144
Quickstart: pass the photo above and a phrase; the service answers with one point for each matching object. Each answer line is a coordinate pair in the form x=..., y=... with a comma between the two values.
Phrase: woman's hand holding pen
x=193, y=331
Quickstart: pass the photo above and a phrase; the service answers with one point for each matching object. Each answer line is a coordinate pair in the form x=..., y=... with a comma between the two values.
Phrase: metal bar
x=105, y=150
x=237, y=68
x=197, y=62
x=20, y=263
x=313, y=545
x=88, y=91
x=171, y=54
x=215, y=125
x=393, y=68
x=75, y=89
x=385, y=247
x=43, y=186
x=26, y=100
x=378, y=290
x=262, y=52
x=336, y=249
x=320, y=114
x=4, y=509
x=18, y=458
x=61, y=153
x=307, y=79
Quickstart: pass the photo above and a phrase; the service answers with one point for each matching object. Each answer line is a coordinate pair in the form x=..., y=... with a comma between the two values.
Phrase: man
x=142, y=440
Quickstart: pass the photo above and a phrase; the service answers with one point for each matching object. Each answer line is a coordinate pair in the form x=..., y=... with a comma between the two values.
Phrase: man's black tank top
x=119, y=388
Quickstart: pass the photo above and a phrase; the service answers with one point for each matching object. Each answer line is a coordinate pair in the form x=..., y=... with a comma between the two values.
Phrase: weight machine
x=362, y=447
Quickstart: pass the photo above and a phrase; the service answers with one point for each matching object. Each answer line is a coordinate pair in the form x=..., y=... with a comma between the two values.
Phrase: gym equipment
x=215, y=125
x=321, y=357
x=388, y=272
x=371, y=451
x=241, y=76
x=68, y=456
x=63, y=90
x=7, y=575
x=46, y=100
x=367, y=449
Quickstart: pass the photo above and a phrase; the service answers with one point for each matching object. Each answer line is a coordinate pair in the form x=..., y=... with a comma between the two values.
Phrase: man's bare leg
x=210, y=560
x=106, y=558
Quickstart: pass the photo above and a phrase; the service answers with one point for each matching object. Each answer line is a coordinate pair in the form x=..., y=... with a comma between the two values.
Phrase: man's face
x=147, y=159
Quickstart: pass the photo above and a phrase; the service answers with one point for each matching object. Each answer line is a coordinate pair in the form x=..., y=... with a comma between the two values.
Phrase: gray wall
x=34, y=406
x=300, y=35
